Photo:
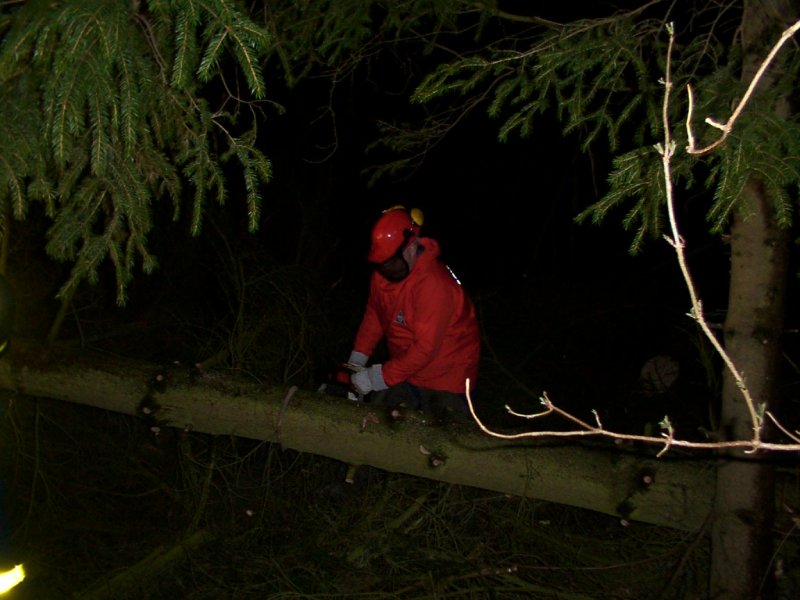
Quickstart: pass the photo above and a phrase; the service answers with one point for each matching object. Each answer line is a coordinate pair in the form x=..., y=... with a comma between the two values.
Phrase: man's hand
x=368, y=380
x=357, y=359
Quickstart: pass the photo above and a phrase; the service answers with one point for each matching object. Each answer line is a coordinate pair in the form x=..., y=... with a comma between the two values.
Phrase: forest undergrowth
x=103, y=509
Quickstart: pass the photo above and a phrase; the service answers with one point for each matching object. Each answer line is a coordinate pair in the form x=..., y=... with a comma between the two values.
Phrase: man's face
x=399, y=266
x=394, y=269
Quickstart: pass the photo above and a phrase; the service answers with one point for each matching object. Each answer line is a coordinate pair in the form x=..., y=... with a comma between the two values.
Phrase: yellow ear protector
x=416, y=214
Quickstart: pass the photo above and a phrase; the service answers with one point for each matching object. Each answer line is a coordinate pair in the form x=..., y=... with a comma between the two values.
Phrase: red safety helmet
x=394, y=230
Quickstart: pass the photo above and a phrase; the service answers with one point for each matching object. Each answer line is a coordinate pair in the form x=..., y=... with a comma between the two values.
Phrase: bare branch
x=667, y=439
x=795, y=436
x=679, y=246
x=728, y=125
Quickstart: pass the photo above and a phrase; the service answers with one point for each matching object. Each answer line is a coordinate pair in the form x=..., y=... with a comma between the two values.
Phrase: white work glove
x=368, y=380
x=357, y=359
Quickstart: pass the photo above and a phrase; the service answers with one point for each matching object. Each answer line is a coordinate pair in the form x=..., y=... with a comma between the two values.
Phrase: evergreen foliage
x=116, y=120
x=129, y=106
x=335, y=37
x=133, y=105
x=603, y=78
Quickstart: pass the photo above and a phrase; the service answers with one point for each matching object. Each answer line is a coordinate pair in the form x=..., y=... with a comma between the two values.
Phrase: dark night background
x=564, y=308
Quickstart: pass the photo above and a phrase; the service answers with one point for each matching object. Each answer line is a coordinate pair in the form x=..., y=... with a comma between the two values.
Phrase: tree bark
x=744, y=503
x=741, y=532
x=604, y=479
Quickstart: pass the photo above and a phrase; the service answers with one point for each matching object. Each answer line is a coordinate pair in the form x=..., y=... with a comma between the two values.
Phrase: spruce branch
x=114, y=109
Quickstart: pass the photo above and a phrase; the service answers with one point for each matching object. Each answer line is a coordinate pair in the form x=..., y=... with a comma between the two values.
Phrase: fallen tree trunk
x=668, y=492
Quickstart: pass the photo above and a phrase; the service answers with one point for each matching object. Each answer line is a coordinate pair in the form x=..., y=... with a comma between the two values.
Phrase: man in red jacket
x=419, y=307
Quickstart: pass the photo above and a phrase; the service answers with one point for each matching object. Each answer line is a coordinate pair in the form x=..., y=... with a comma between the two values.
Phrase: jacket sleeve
x=433, y=306
x=370, y=331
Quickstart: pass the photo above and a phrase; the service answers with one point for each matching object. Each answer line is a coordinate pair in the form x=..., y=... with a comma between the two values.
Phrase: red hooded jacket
x=429, y=323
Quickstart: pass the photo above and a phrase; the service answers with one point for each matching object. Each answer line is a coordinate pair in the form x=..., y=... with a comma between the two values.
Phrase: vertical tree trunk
x=741, y=535
x=744, y=505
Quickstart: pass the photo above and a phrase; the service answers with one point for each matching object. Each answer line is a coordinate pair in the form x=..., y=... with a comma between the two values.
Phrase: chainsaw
x=339, y=383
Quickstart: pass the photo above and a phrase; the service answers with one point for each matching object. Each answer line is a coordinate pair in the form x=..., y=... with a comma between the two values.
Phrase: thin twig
x=678, y=245
x=786, y=432
x=728, y=125
x=667, y=439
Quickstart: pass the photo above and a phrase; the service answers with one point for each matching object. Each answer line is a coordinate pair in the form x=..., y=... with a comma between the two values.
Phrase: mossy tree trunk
x=670, y=491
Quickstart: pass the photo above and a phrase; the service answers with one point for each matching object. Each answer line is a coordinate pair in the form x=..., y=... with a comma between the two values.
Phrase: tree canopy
x=130, y=106
x=127, y=106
